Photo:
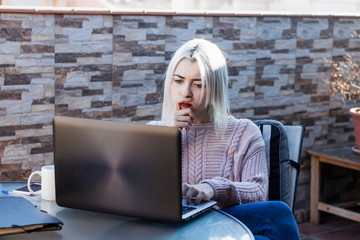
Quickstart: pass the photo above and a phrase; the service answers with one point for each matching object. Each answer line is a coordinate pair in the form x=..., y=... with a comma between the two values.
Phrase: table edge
x=238, y=221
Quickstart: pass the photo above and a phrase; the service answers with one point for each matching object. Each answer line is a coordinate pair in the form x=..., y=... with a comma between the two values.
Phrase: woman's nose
x=186, y=90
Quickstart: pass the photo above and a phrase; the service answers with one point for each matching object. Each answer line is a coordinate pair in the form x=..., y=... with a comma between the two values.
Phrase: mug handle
x=29, y=182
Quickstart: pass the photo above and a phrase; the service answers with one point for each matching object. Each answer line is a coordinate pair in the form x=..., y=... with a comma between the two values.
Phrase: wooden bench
x=338, y=155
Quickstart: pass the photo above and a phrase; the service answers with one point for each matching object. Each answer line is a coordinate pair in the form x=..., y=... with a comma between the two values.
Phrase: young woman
x=223, y=158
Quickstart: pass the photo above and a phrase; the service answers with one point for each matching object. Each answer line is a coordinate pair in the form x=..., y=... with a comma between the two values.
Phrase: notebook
x=18, y=215
x=120, y=168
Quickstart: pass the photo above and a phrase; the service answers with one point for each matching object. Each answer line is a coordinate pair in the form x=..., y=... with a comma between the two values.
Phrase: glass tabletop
x=80, y=224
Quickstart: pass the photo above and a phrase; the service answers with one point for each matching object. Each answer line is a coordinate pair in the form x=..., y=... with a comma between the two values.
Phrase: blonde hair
x=214, y=75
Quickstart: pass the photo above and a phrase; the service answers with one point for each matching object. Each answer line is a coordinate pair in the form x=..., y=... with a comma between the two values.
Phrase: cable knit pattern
x=233, y=164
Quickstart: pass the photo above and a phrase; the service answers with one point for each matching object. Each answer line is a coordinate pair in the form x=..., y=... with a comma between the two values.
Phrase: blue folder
x=18, y=215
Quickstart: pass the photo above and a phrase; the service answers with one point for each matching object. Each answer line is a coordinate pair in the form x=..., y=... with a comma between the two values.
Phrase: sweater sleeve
x=250, y=183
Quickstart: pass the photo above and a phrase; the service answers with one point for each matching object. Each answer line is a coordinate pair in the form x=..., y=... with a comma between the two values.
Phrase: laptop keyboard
x=186, y=209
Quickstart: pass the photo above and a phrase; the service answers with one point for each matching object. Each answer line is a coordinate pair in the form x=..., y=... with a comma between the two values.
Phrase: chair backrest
x=283, y=146
x=295, y=136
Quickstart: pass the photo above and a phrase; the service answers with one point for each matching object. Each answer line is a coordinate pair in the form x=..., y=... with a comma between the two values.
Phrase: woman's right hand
x=182, y=118
x=200, y=192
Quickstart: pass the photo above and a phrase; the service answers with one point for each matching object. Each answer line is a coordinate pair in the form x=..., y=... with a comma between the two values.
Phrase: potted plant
x=345, y=79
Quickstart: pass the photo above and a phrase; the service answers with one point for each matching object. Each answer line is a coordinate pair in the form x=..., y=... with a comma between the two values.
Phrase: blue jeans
x=267, y=220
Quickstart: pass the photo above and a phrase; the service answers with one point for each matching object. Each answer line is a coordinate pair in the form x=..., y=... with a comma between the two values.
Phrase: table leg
x=315, y=190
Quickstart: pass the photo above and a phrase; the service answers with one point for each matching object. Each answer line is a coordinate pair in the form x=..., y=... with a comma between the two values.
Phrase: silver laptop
x=120, y=168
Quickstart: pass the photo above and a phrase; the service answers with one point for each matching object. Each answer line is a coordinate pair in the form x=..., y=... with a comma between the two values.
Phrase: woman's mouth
x=185, y=105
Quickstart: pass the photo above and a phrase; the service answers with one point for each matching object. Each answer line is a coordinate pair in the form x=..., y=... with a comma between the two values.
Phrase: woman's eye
x=177, y=80
x=198, y=85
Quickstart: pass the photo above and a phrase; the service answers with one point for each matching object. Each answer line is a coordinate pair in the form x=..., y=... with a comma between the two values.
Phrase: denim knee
x=272, y=219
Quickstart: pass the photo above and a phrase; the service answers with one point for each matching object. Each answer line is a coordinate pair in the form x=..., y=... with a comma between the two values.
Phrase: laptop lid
x=119, y=168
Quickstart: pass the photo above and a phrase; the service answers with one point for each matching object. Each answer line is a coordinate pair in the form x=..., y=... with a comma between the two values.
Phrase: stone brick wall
x=111, y=67
x=27, y=93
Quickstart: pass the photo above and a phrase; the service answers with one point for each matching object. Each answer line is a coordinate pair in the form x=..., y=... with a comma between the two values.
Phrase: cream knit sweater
x=233, y=164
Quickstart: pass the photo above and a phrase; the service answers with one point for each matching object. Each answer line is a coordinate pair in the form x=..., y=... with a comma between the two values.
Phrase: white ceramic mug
x=47, y=175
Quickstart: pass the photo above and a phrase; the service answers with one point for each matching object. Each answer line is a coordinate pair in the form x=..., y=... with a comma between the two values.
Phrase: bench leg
x=315, y=190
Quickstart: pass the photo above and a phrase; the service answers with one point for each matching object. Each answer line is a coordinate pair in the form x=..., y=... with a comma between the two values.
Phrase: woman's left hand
x=200, y=192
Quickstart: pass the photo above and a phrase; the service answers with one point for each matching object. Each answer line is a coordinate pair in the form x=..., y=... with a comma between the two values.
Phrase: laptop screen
x=120, y=168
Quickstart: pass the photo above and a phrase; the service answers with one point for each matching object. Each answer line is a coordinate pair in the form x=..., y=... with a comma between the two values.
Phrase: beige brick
x=38, y=69
x=323, y=43
x=285, y=44
x=78, y=34
x=122, y=57
x=34, y=132
x=41, y=81
x=104, y=46
x=11, y=48
x=14, y=159
x=59, y=30
x=7, y=138
x=49, y=158
x=149, y=110
x=10, y=120
x=16, y=106
x=108, y=21
x=16, y=150
x=34, y=62
x=134, y=34
x=44, y=117
x=78, y=102
x=131, y=75
x=42, y=107
x=102, y=37
x=93, y=21
x=68, y=47
x=7, y=59
x=49, y=90
x=35, y=91
x=34, y=162
x=145, y=59
x=105, y=59
x=42, y=37
x=78, y=77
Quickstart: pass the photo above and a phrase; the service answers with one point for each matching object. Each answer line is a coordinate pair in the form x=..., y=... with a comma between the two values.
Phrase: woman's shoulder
x=242, y=123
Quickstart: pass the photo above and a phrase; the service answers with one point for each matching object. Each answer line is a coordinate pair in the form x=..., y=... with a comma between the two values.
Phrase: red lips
x=185, y=105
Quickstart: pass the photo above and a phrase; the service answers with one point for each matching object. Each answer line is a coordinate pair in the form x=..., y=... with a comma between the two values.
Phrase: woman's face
x=186, y=90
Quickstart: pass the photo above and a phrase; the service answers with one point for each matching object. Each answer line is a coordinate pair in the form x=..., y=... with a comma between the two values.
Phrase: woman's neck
x=201, y=117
